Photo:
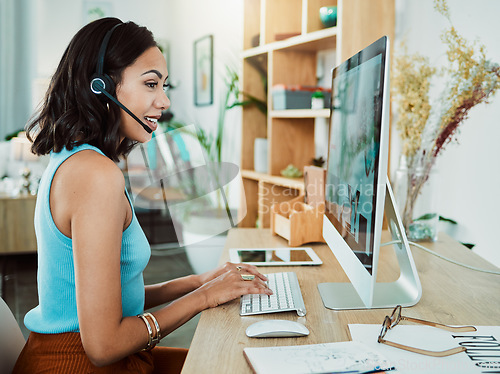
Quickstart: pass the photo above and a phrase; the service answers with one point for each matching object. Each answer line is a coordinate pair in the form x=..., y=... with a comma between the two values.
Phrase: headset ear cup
x=97, y=84
x=101, y=83
x=110, y=85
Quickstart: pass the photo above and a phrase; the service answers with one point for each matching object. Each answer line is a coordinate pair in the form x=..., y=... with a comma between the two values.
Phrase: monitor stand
x=405, y=291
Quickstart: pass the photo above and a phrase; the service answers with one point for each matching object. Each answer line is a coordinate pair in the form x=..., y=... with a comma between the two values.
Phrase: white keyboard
x=286, y=296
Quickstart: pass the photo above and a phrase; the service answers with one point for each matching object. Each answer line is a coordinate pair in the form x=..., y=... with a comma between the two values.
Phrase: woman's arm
x=161, y=293
x=98, y=212
x=90, y=195
x=226, y=286
x=165, y=292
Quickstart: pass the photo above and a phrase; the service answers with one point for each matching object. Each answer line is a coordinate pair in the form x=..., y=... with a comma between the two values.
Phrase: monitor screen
x=353, y=160
x=357, y=191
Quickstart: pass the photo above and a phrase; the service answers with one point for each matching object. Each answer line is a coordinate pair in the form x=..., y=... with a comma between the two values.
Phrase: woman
x=91, y=249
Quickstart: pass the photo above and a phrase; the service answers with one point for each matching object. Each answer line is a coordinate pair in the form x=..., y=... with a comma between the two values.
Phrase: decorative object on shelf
x=426, y=129
x=26, y=174
x=21, y=153
x=318, y=100
x=300, y=220
x=255, y=41
x=314, y=185
x=321, y=127
x=291, y=171
x=297, y=221
x=319, y=161
x=203, y=71
x=328, y=16
x=260, y=155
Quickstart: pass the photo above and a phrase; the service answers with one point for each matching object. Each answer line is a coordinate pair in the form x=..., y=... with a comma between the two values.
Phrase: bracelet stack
x=154, y=333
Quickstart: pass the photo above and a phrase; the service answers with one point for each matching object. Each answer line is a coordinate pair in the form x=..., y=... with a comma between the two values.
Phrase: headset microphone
x=98, y=87
x=103, y=84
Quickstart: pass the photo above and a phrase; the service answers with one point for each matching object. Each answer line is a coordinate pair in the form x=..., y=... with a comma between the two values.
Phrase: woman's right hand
x=231, y=285
x=228, y=266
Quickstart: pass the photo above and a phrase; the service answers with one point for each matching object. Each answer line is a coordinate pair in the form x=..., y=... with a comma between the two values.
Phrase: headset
x=103, y=84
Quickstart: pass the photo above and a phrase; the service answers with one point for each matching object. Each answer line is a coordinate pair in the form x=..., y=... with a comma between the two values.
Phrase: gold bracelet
x=157, y=338
x=150, y=332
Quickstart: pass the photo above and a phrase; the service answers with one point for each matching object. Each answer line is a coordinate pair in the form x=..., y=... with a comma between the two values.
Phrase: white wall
x=468, y=169
x=190, y=20
x=56, y=22
x=16, y=65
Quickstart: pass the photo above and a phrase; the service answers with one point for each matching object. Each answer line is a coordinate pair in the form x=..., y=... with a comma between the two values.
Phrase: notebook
x=340, y=357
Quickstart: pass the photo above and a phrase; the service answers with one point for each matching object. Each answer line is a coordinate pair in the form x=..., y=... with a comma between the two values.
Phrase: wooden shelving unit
x=293, y=61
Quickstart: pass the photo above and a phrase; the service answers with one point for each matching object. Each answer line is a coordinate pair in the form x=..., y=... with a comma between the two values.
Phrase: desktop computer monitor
x=357, y=191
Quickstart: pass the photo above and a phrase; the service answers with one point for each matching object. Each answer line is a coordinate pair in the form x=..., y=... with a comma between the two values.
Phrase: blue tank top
x=56, y=312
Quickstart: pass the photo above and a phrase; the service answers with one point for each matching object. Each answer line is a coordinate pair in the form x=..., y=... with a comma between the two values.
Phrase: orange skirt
x=64, y=353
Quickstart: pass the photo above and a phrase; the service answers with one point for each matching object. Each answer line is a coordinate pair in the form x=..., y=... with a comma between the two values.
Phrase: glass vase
x=415, y=191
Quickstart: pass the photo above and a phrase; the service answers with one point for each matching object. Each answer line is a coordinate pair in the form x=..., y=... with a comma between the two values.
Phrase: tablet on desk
x=275, y=256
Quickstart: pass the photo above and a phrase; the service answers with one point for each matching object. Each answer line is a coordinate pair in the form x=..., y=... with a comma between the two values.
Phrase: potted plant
x=425, y=126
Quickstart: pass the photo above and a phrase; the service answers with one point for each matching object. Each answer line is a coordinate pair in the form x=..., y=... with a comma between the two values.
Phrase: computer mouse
x=276, y=328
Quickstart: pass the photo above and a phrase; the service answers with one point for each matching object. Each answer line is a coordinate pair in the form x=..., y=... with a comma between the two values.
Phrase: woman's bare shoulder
x=89, y=167
x=87, y=176
x=86, y=183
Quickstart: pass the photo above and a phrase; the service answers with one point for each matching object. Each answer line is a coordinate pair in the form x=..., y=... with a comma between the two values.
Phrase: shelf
x=300, y=113
x=311, y=42
x=295, y=183
x=268, y=59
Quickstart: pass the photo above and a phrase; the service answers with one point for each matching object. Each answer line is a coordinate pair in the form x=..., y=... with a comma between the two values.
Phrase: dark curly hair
x=71, y=114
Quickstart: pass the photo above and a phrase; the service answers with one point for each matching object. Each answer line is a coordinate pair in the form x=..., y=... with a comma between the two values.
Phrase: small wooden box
x=297, y=221
x=314, y=183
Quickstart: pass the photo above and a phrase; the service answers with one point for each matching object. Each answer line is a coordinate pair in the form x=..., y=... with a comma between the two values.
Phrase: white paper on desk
x=314, y=358
x=482, y=356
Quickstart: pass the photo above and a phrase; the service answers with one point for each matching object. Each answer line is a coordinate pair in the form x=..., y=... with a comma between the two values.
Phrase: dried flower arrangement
x=426, y=129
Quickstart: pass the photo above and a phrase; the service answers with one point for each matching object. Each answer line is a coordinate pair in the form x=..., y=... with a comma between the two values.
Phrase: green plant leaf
x=426, y=217
x=449, y=220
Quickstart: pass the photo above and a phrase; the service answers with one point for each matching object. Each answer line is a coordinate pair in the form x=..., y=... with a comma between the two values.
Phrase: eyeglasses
x=396, y=317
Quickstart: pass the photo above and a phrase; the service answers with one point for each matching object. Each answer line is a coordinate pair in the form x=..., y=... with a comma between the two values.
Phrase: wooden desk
x=17, y=230
x=451, y=295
